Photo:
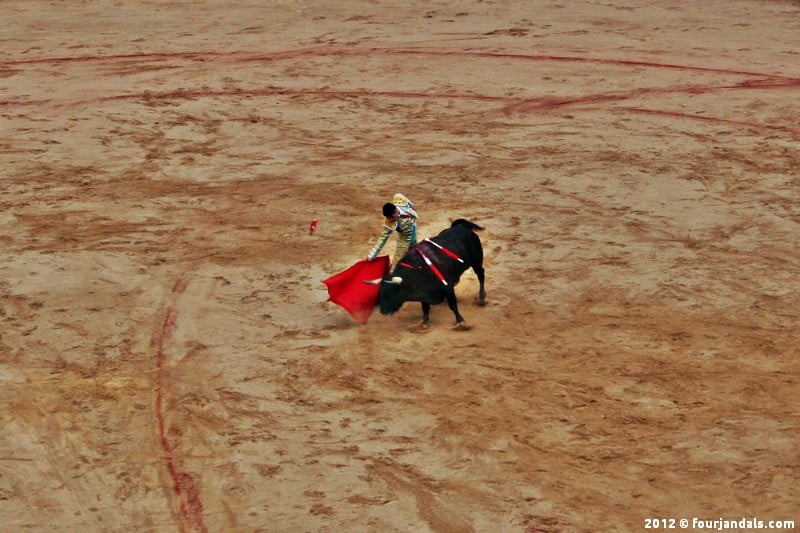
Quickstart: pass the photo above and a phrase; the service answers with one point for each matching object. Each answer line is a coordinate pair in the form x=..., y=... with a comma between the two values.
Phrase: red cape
x=347, y=288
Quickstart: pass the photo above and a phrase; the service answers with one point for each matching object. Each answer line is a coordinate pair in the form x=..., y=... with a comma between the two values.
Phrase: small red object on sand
x=313, y=227
x=348, y=290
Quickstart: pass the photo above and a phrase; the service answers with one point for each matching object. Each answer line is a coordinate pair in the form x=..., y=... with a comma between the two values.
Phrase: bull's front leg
x=426, y=315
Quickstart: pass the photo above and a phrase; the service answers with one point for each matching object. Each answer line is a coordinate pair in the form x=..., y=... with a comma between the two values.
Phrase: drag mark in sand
x=183, y=485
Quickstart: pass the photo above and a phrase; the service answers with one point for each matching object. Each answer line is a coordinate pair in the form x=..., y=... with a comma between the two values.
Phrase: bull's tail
x=465, y=222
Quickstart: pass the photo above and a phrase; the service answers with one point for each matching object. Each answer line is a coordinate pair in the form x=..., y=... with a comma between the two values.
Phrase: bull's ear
x=376, y=281
x=396, y=280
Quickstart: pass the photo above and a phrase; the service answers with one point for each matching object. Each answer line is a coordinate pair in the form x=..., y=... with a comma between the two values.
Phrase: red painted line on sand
x=184, y=486
x=513, y=104
x=579, y=59
x=552, y=103
x=676, y=114
x=244, y=56
x=523, y=103
x=145, y=56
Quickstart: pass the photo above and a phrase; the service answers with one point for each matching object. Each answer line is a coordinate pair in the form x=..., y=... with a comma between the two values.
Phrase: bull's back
x=462, y=240
x=464, y=222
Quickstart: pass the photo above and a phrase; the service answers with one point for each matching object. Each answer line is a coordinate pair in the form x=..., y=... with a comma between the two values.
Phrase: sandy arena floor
x=168, y=360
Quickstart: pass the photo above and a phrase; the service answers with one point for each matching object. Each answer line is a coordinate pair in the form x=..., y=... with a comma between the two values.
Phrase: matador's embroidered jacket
x=405, y=226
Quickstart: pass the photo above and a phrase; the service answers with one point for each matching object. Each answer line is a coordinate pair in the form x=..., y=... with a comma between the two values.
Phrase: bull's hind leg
x=426, y=316
x=453, y=304
x=481, y=273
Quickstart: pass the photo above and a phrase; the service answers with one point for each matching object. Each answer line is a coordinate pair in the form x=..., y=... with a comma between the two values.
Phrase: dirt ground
x=168, y=359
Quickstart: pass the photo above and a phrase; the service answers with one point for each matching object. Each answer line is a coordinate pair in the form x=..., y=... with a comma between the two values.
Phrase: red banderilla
x=447, y=252
x=432, y=266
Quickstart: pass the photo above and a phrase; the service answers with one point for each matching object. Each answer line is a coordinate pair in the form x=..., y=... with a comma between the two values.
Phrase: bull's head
x=390, y=297
x=395, y=280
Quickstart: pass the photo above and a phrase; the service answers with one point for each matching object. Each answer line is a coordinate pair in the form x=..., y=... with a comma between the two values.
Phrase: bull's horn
x=376, y=281
x=396, y=280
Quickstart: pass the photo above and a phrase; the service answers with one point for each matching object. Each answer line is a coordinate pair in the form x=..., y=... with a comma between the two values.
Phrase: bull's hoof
x=481, y=302
x=421, y=327
x=462, y=326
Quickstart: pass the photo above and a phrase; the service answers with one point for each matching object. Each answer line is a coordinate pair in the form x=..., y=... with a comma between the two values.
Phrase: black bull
x=413, y=280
